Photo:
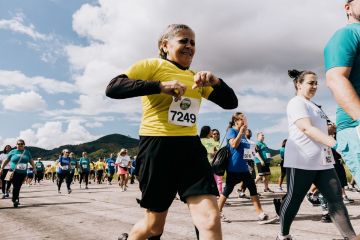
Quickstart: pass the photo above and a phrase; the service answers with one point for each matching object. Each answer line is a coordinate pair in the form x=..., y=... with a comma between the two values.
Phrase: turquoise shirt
x=282, y=153
x=264, y=152
x=342, y=51
x=14, y=156
x=73, y=164
x=85, y=164
x=39, y=166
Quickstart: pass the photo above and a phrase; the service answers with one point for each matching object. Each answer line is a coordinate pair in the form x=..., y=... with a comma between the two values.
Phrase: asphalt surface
x=104, y=212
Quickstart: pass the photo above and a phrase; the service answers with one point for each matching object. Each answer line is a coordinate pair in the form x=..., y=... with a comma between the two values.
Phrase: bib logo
x=185, y=104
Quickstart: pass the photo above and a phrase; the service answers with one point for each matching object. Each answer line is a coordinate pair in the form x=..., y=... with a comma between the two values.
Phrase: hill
x=101, y=147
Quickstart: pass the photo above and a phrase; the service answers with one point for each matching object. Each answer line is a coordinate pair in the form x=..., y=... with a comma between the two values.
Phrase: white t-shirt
x=123, y=161
x=3, y=157
x=300, y=151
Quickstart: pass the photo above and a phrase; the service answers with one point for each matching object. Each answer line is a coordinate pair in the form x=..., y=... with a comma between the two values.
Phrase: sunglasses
x=20, y=144
x=349, y=1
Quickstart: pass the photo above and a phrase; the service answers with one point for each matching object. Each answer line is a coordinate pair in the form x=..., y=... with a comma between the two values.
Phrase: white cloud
x=94, y=124
x=280, y=127
x=17, y=24
x=16, y=79
x=24, y=102
x=61, y=102
x=51, y=135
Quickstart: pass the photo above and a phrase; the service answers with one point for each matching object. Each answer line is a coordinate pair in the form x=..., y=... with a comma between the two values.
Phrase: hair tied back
x=294, y=73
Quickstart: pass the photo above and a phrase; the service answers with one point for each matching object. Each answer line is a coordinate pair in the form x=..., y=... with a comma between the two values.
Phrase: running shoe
x=223, y=218
x=269, y=220
x=242, y=195
x=268, y=190
x=3, y=196
x=347, y=200
x=86, y=187
x=80, y=185
x=262, y=217
x=16, y=204
x=280, y=189
x=325, y=218
x=314, y=201
x=123, y=236
x=69, y=191
x=287, y=237
x=7, y=194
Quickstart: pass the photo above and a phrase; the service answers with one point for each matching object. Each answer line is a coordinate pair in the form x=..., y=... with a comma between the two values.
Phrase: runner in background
x=282, y=169
x=5, y=185
x=40, y=170
x=262, y=160
x=100, y=169
x=123, y=163
x=63, y=171
x=84, y=164
x=73, y=167
x=110, y=168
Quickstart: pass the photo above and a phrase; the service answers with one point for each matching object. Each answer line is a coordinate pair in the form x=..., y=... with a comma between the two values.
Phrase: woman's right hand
x=173, y=88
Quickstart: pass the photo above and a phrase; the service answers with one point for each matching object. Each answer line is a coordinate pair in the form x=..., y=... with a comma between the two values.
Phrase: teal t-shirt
x=73, y=163
x=342, y=50
x=39, y=166
x=282, y=153
x=264, y=152
x=84, y=164
x=14, y=156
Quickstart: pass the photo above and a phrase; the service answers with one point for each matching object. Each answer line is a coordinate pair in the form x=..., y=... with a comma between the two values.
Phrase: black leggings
x=233, y=178
x=85, y=176
x=61, y=176
x=5, y=185
x=299, y=182
x=17, y=181
x=99, y=176
x=110, y=176
x=39, y=176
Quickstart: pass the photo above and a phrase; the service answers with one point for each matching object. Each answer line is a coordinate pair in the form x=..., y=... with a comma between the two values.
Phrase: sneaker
x=242, y=195
x=287, y=237
x=347, y=200
x=263, y=217
x=80, y=185
x=224, y=219
x=280, y=189
x=325, y=218
x=86, y=187
x=3, y=196
x=227, y=204
x=123, y=236
x=268, y=190
x=59, y=192
x=269, y=220
x=314, y=201
x=7, y=194
x=16, y=204
x=69, y=191
x=277, y=205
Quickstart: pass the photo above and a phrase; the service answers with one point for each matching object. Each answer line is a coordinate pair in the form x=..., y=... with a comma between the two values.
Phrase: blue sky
x=58, y=56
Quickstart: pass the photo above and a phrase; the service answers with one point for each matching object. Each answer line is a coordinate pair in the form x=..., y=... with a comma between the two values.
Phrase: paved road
x=104, y=212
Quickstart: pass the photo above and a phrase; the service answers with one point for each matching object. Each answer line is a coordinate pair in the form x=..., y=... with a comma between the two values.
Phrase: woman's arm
x=122, y=87
x=223, y=95
x=304, y=124
x=235, y=142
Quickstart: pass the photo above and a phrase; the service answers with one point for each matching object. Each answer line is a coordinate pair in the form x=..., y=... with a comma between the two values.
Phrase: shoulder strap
x=19, y=159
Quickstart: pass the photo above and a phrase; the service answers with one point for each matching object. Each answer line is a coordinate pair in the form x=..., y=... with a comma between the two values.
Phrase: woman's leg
x=60, y=180
x=17, y=181
x=3, y=182
x=329, y=185
x=205, y=215
x=151, y=225
x=299, y=182
x=218, y=180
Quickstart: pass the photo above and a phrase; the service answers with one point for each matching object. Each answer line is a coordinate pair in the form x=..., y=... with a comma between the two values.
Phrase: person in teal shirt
x=84, y=165
x=40, y=169
x=19, y=159
x=283, y=170
x=73, y=167
x=342, y=65
x=262, y=161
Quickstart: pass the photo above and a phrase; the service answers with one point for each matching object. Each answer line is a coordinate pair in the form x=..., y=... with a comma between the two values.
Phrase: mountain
x=101, y=147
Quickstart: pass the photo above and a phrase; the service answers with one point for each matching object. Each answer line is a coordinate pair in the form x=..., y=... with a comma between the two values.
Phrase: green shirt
x=39, y=166
x=264, y=152
x=342, y=51
x=84, y=164
x=14, y=157
x=210, y=145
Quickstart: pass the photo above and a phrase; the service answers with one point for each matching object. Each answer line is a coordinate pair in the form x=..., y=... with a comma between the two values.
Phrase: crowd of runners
x=169, y=140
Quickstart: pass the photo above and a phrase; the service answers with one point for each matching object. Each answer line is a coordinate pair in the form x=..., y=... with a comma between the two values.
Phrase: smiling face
x=308, y=87
x=180, y=47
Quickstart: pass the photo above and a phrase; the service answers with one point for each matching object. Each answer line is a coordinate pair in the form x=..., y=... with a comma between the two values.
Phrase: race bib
x=268, y=155
x=112, y=164
x=84, y=165
x=249, y=153
x=184, y=112
x=327, y=156
x=21, y=166
x=66, y=167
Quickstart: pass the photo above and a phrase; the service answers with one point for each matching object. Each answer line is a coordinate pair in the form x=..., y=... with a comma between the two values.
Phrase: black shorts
x=234, y=178
x=251, y=167
x=263, y=170
x=170, y=165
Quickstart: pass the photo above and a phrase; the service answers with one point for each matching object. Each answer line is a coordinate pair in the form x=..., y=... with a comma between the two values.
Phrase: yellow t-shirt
x=155, y=107
x=100, y=165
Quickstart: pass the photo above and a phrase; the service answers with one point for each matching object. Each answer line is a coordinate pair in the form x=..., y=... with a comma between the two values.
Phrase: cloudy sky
x=58, y=56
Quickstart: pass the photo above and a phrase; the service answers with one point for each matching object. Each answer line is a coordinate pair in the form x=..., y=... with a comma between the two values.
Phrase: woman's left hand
x=205, y=78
